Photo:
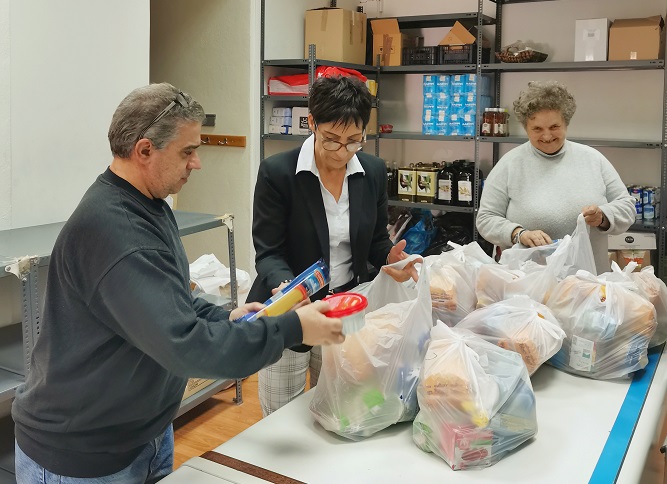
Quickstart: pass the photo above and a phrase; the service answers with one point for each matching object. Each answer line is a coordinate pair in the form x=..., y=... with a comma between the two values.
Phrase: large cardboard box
x=194, y=385
x=388, y=41
x=632, y=246
x=590, y=41
x=636, y=39
x=338, y=34
x=372, y=126
x=458, y=35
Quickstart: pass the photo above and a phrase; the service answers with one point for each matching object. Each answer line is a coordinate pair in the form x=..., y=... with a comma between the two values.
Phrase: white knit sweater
x=547, y=192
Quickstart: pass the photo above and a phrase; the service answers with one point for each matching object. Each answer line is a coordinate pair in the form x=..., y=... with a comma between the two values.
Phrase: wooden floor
x=215, y=421
x=219, y=419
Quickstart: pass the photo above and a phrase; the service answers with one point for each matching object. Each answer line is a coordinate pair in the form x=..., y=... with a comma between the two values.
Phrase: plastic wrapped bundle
x=497, y=283
x=370, y=381
x=518, y=324
x=476, y=402
x=608, y=326
x=655, y=291
x=452, y=289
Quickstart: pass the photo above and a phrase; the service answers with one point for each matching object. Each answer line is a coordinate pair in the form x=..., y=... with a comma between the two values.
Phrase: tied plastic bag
x=211, y=277
x=476, y=402
x=369, y=382
x=651, y=288
x=608, y=326
x=452, y=288
x=497, y=283
x=472, y=256
x=518, y=324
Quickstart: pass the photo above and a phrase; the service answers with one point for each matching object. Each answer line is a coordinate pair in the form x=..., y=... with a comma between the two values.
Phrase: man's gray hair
x=139, y=108
x=544, y=96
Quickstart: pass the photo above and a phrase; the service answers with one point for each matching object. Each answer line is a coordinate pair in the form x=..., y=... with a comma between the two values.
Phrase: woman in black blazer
x=325, y=199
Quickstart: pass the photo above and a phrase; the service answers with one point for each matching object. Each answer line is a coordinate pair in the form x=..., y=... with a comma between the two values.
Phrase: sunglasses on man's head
x=180, y=100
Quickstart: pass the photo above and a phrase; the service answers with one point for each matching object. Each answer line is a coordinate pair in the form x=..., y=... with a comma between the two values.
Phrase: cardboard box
x=388, y=41
x=636, y=39
x=632, y=246
x=300, y=121
x=194, y=385
x=338, y=34
x=372, y=126
x=458, y=35
x=590, y=40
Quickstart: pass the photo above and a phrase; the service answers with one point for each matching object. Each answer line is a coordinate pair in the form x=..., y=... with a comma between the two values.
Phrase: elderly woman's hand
x=397, y=254
x=534, y=238
x=594, y=216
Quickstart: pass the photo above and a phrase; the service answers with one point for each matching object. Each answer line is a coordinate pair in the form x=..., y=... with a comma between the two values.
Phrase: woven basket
x=521, y=57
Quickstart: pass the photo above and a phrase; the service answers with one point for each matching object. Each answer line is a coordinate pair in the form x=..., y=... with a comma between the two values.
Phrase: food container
x=407, y=183
x=350, y=307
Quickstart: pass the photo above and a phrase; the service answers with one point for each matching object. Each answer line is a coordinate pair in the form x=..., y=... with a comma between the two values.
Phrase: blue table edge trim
x=613, y=454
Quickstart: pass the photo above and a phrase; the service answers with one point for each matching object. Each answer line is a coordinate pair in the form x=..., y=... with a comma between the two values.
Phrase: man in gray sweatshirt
x=121, y=332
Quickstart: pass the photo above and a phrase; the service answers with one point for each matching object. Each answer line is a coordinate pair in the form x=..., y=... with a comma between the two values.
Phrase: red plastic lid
x=345, y=304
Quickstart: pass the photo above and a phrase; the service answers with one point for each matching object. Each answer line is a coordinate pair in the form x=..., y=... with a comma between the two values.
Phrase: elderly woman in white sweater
x=536, y=191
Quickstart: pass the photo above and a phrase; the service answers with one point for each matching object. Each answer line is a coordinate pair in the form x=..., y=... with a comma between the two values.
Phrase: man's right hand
x=317, y=328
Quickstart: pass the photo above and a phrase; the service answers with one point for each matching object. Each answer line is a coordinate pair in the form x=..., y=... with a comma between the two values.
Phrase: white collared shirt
x=337, y=213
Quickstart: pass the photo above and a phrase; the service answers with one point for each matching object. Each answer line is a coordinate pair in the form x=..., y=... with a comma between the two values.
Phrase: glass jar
x=488, y=121
x=501, y=124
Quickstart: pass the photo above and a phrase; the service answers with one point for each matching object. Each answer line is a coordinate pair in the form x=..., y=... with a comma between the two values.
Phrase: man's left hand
x=397, y=254
x=240, y=311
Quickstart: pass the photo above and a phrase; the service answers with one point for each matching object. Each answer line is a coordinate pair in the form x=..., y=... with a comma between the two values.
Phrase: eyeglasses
x=353, y=147
x=180, y=100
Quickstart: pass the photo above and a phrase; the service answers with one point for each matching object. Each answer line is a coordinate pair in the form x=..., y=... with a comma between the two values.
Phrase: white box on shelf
x=591, y=39
x=300, y=121
x=281, y=112
x=281, y=120
x=273, y=129
x=632, y=240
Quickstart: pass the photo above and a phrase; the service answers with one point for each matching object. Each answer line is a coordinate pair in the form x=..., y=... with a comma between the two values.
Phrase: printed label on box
x=582, y=354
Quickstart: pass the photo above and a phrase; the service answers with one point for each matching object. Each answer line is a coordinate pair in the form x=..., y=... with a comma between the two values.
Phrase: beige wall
x=205, y=49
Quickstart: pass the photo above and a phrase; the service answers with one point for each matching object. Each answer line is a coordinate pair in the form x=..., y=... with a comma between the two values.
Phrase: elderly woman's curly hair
x=544, y=96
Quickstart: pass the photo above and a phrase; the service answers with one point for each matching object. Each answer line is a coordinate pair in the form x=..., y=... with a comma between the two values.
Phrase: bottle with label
x=446, y=184
x=501, y=124
x=392, y=182
x=465, y=181
x=487, y=122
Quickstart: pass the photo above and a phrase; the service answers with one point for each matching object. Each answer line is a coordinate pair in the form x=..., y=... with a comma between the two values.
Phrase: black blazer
x=290, y=230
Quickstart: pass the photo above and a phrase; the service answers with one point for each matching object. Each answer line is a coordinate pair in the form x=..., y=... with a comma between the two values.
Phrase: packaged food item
x=350, y=307
x=302, y=286
x=476, y=402
x=407, y=183
x=427, y=175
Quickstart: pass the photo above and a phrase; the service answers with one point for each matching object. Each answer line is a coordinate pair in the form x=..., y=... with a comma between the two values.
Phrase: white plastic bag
x=573, y=252
x=476, y=402
x=608, y=326
x=452, y=288
x=212, y=277
x=498, y=282
x=370, y=381
x=518, y=324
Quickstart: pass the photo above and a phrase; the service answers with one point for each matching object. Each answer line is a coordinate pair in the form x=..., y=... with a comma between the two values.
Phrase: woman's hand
x=534, y=238
x=240, y=311
x=396, y=254
x=594, y=216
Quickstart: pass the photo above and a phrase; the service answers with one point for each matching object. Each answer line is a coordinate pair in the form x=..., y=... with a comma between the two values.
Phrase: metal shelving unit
x=17, y=340
x=429, y=206
x=610, y=143
x=630, y=65
x=418, y=136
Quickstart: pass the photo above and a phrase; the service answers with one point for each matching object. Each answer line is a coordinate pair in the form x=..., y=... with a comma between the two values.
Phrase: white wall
x=64, y=67
x=206, y=51
x=69, y=63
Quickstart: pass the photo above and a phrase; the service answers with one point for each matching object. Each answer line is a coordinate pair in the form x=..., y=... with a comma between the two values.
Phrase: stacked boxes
x=450, y=103
x=281, y=121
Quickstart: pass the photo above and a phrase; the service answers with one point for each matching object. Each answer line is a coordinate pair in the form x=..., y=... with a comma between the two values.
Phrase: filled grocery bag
x=369, y=382
x=452, y=288
x=518, y=324
x=608, y=325
x=496, y=282
x=476, y=402
x=472, y=256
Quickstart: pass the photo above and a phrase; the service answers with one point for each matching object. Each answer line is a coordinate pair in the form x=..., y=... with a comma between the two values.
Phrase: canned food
x=407, y=183
x=647, y=195
x=637, y=193
x=426, y=182
x=649, y=212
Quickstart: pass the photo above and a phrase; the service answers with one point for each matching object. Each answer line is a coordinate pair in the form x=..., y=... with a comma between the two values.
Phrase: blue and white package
x=456, y=104
x=442, y=127
x=428, y=127
x=443, y=83
x=429, y=85
x=428, y=115
x=458, y=84
x=454, y=125
x=468, y=125
x=441, y=114
x=429, y=100
x=442, y=100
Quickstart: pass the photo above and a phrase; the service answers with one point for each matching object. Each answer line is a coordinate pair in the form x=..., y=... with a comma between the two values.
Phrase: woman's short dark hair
x=340, y=100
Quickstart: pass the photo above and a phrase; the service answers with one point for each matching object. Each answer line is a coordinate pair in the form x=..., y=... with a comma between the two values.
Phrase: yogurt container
x=350, y=307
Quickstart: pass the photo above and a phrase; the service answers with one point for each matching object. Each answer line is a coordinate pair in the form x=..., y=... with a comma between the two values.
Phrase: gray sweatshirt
x=537, y=191
x=121, y=334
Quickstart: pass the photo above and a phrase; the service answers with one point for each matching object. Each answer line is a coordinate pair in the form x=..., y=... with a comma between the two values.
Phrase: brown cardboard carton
x=458, y=35
x=636, y=39
x=388, y=41
x=372, y=126
x=338, y=34
x=194, y=385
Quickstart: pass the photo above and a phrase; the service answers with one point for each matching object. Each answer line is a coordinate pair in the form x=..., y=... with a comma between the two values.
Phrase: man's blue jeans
x=153, y=463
